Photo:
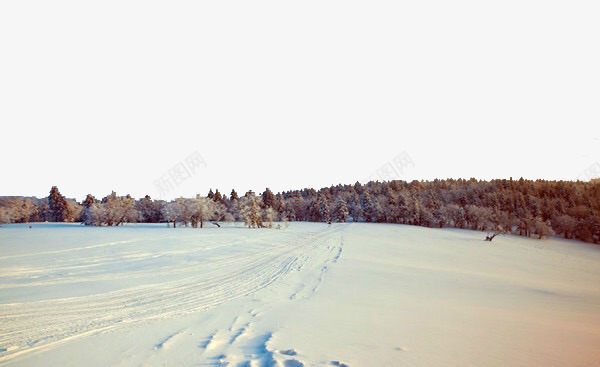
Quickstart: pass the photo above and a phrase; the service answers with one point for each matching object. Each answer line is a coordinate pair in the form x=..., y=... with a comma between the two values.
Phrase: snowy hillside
x=310, y=295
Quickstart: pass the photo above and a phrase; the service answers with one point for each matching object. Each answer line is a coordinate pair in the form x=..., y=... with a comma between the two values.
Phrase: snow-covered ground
x=309, y=295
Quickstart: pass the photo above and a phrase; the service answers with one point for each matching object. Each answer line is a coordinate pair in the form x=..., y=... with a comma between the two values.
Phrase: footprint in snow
x=293, y=363
x=206, y=342
x=237, y=334
x=339, y=364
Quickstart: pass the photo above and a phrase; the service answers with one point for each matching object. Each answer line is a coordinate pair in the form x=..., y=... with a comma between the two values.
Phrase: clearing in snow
x=310, y=295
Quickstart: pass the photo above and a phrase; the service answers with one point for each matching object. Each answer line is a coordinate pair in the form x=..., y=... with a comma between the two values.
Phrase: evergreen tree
x=255, y=216
x=268, y=198
x=341, y=211
x=323, y=207
x=149, y=210
x=86, y=216
x=280, y=206
x=251, y=213
x=371, y=208
x=540, y=207
x=58, y=207
x=403, y=210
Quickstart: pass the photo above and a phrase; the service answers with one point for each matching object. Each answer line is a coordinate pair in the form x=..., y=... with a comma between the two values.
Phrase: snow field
x=310, y=295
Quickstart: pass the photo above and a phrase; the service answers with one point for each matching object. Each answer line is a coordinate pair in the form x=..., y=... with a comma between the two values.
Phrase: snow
x=352, y=294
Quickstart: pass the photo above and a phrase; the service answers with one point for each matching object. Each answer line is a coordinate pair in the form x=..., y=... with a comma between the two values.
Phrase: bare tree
x=490, y=237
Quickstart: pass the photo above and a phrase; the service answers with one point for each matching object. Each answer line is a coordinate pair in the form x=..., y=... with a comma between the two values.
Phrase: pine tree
x=255, y=213
x=341, y=211
x=58, y=207
x=403, y=212
x=532, y=207
x=44, y=210
x=86, y=216
x=148, y=210
x=251, y=211
x=279, y=205
x=54, y=205
x=314, y=212
x=35, y=213
x=323, y=207
x=110, y=208
x=268, y=199
x=371, y=208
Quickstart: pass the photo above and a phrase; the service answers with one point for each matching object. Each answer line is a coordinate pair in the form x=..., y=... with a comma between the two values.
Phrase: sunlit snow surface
x=309, y=295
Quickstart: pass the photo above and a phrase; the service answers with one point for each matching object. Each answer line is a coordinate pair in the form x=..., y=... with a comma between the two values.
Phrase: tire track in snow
x=40, y=325
x=53, y=252
x=251, y=343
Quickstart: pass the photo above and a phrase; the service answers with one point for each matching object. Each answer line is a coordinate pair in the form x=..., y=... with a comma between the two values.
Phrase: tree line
x=528, y=208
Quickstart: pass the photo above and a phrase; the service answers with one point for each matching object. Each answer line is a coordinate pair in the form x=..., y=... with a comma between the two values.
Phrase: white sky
x=109, y=95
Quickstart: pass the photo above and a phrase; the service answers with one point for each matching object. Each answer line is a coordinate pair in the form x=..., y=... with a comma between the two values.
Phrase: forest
x=537, y=208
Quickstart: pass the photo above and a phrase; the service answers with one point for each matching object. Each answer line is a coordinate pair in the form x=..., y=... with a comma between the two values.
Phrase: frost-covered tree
x=424, y=217
x=96, y=215
x=58, y=207
x=280, y=206
x=149, y=210
x=251, y=212
x=455, y=215
x=324, y=210
x=319, y=208
x=372, y=211
x=566, y=225
x=220, y=213
x=355, y=210
x=169, y=212
x=192, y=211
x=119, y=210
x=542, y=229
x=204, y=210
x=86, y=216
x=184, y=209
x=111, y=211
x=218, y=197
x=127, y=210
x=341, y=211
x=44, y=210
x=268, y=198
x=270, y=216
x=525, y=207
x=403, y=209
x=5, y=216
